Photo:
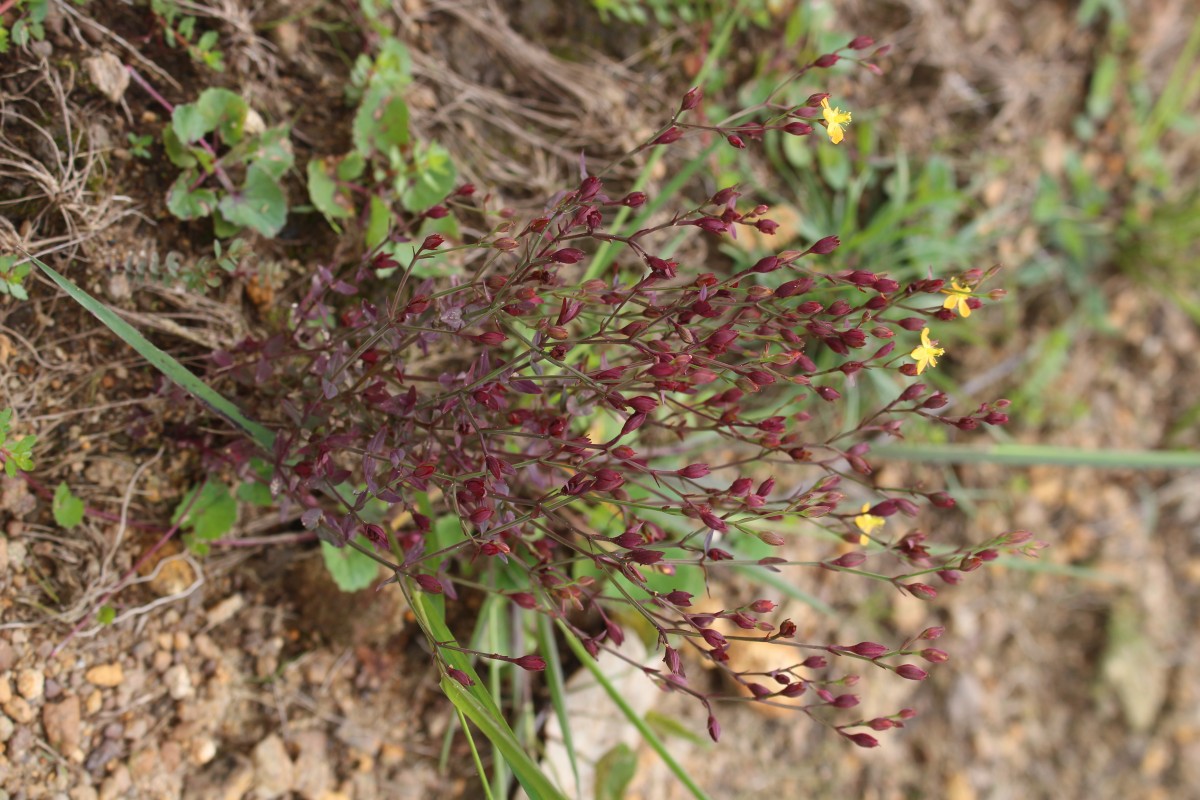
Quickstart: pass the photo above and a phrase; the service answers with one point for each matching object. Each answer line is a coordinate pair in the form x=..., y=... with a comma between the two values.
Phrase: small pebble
x=30, y=683
x=179, y=682
x=105, y=675
x=19, y=709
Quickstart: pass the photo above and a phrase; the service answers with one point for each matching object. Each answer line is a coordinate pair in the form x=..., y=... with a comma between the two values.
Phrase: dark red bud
x=671, y=134
x=694, y=471
x=912, y=672
x=736, y=141
x=798, y=128
x=429, y=583
x=634, y=200
x=437, y=212
x=825, y=246
x=714, y=728
x=567, y=255
x=860, y=43
x=691, y=99
x=865, y=649
x=827, y=60
x=679, y=598
x=531, y=662
x=460, y=676
x=863, y=739
x=524, y=599
x=935, y=656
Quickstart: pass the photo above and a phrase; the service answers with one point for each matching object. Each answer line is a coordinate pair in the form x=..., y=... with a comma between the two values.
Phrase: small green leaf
x=379, y=224
x=273, y=152
x=260, y=204
x=67, y=508
x=106, y=615
x=179, y=153
x=351, y=570
x=381, y=121
x=256, y=494
x=614, y=772
x=351, y=167
x=210, y=517
x=216, y=110
x=434, y=177
x=324, y=192
x=187, y=203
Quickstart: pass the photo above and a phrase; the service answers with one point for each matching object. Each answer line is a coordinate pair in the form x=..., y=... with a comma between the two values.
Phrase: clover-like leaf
x=67, y=508
x=350, y=569
x=186, y=202
x=217, y=110
x=259, y=204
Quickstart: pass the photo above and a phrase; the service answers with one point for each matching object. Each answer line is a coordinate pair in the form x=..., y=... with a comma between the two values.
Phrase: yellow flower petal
x=835, y=133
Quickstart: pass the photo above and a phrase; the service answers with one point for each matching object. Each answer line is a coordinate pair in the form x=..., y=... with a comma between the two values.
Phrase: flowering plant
x=534, y=430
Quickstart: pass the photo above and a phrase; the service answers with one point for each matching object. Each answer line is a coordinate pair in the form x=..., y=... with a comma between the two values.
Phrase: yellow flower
x=958, y=298
x=927, y=354
x=867, y=523
x=835, y=119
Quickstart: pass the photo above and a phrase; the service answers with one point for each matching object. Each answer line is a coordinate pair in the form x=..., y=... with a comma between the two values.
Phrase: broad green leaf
x=106, y=614
x=351, y=570
x=260, y=203
x=67, y=508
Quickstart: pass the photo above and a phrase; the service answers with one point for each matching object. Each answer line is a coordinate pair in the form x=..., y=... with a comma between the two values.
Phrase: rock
x=224, y=610
x=109, y=75
x=19, y=709
x=225, y=779
x=30, y=683
x=117, y=785
x=53, y=689
x=202, y=750
x=105, y=675
x=6, y=728
x=61, y=721
x=5, y=689
x=162, y=661
x=178, y=681
x=83, y=792
x=314, y=774
x=272, y=768
x=102, y=754
x=8, y=656
x=93, y=702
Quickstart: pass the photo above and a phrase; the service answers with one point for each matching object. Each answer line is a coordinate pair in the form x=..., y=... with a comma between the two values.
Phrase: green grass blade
x=466, y=729
x=476, y=702
x=1029, y=455
x=556, y=681
x=651, y=738
x=163, y=362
